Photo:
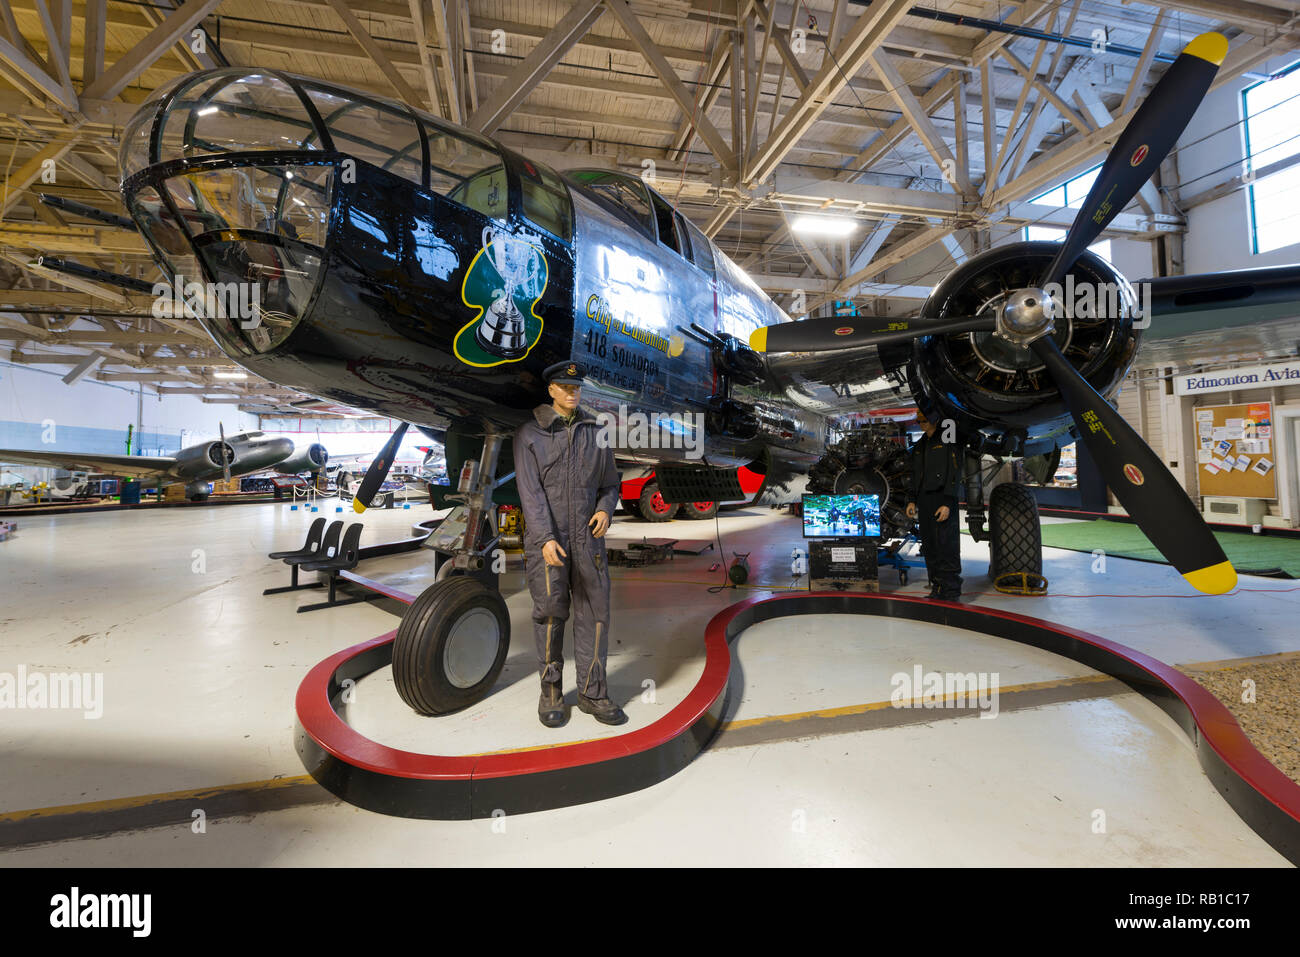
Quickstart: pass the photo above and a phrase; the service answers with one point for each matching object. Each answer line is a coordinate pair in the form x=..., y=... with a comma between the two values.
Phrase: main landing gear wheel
x=450, y=646
x=1015, y=535
x=699, y=509
x=652, y=504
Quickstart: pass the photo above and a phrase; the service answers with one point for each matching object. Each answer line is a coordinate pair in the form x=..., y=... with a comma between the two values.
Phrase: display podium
x=848, y=565
x=843, y=533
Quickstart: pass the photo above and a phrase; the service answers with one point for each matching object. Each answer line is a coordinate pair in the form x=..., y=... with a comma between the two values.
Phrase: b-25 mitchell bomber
x=424, y=272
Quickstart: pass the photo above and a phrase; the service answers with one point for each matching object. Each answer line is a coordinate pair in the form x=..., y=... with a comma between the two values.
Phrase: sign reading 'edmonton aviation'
x=1250, y=377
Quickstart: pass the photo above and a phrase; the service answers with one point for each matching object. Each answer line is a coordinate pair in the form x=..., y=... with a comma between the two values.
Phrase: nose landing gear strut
x=454, y=638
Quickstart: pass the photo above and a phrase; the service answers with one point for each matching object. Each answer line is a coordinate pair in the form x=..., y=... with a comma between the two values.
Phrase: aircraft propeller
x=1139, y=479
x=378, y=470
x=225, y=452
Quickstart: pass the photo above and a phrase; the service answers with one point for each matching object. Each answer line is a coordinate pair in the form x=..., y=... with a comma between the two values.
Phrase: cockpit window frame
x=165, y=104
x=647, y=228
x=320, y=132
x=515, y=174
x=354, y=101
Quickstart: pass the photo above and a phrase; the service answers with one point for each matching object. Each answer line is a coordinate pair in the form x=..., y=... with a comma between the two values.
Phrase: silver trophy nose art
x=502, y=331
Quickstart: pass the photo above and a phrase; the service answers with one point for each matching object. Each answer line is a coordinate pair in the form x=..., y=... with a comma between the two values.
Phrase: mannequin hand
x=599, y=524
x=941, y=513
x=553, y=554
x=911, y=510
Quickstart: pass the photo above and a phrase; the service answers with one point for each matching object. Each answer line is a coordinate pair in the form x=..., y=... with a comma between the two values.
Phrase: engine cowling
x=998, y=392
x=312, y=458
x=201, y=460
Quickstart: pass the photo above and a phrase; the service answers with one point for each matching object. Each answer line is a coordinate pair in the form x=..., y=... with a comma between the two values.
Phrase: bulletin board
x=1236, y=452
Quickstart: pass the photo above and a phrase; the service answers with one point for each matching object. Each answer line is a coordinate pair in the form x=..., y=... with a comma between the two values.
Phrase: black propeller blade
x=378, y=470
x=1144, y=486
x=821, y=335
x=1143, y=146
x=1141, y=482
x=225, y=449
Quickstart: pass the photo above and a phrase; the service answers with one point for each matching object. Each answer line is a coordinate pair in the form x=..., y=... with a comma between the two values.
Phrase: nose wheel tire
x=653, y=506
x=450, y=646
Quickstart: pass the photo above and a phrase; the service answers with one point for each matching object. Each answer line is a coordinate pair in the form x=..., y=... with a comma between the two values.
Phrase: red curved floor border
x=1216, y=726
x=317, y=717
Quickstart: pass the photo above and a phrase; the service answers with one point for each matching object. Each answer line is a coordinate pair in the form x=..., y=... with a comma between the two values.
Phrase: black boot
x=550, y=706
x=602, y=709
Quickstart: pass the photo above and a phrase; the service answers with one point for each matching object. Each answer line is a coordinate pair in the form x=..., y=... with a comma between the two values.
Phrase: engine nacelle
x=313, y=458
x=999, y=393
x=199, y=461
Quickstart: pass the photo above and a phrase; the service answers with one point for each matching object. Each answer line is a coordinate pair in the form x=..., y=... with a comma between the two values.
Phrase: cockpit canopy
x=237, y=111
x=234, y=174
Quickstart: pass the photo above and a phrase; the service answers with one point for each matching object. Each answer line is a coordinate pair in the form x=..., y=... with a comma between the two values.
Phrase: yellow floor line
x=827, y=712
x=140, y=800
x=116, y=804
x=881, y=705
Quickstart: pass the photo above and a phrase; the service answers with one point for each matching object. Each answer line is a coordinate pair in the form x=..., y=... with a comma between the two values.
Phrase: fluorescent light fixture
x=230, y=375
x=288, y=174
x=208, y=110
x=824, y=225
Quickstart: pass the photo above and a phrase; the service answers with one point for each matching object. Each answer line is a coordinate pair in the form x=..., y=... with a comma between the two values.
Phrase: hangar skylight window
x=1272, y=112
x=1069, y=195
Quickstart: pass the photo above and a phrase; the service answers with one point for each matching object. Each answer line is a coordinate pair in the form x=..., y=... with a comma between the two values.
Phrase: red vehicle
x=641, y=497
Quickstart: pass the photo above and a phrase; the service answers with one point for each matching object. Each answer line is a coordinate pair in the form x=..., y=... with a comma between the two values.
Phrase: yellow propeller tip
x=758, y=339
x=1213, y=579
x=357, y=506
x=1211, y=47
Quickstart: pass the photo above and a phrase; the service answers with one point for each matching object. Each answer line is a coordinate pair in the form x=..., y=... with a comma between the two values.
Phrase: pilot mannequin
x=936, y=478
x=568, y=487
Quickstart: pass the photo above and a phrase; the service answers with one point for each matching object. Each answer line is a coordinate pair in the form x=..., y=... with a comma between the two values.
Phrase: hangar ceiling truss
x=928, y=130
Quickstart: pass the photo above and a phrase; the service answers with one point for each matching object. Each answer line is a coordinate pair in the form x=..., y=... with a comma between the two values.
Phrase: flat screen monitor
x=841, y=516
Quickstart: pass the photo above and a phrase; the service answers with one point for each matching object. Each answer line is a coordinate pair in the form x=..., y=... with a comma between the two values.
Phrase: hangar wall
x=1212, y=151
x=1218, y=234
x=92, y=416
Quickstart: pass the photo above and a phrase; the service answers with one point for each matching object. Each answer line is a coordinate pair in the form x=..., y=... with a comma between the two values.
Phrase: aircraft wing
x=91, y=461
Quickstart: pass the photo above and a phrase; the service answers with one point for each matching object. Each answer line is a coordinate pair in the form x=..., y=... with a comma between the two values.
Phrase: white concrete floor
x=200, y=673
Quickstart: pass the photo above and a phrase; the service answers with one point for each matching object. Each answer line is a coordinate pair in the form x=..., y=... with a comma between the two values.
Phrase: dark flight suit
x=936, y=481
x=564, y=478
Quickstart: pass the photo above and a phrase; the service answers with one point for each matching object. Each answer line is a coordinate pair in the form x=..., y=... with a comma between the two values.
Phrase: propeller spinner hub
x=1026, y=315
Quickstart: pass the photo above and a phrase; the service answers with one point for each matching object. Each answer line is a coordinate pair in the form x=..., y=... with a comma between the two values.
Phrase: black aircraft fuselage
x=420, y=271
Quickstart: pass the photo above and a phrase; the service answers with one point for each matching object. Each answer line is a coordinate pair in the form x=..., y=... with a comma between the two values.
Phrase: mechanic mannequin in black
x=568, y=487
x=936, y=480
